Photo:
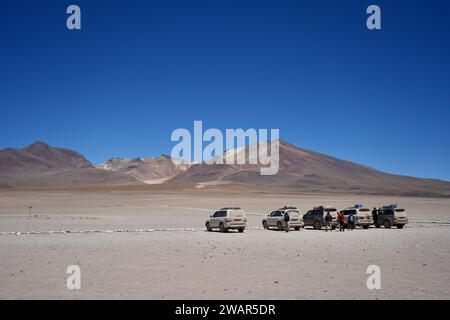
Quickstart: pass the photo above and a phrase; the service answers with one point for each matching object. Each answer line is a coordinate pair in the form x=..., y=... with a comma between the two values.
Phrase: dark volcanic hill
x=40, y=157
x=40, y=165
x=309, y=171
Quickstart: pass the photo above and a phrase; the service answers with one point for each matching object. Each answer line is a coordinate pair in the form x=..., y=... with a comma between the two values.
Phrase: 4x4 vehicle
x=363, y=216
x=276, y=219
x=390, y=215
x=316, y=217
x=226, y=219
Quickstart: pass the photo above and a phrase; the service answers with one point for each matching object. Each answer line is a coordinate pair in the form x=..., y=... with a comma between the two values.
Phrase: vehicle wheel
x=279, y=225
x=333, y=227
x=265, y=226
x=387, y=224
x=241, y=230
x=400, y=226
x=365, y=226
x=377, y=226
x=317, y=225
x=296, y=228
x=222, y=228
x=208, y=226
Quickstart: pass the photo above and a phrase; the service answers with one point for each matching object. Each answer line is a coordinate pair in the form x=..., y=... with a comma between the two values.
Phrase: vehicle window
x=220, y=214
x=272, y=214
x=309, y=213
x=353, y=212
x=278, y=214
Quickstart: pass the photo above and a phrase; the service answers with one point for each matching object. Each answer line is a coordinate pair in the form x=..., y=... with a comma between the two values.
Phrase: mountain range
x=42, y=166
x=301, y=170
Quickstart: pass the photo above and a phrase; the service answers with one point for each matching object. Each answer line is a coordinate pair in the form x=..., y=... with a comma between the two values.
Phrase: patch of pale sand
x=202, y=185
x=156, y=181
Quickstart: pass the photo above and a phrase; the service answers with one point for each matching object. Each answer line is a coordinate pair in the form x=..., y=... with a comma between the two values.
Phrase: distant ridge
x=310, y=171
x=38, y=157
x=301, y=170
x=41, y=166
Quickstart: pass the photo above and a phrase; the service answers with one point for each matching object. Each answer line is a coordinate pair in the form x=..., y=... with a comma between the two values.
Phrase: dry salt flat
x=154, y=246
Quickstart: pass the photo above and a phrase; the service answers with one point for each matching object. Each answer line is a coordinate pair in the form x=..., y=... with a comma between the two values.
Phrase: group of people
x=328, y=222
x=340, y=222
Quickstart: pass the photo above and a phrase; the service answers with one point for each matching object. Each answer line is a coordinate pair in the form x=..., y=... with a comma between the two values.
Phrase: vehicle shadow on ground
x=218, y=231
x=282, y=230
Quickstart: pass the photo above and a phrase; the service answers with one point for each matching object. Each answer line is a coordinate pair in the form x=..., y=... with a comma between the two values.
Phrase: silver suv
x=389, y=216
x=363, y=216
x=276, y=219
x=226, y=219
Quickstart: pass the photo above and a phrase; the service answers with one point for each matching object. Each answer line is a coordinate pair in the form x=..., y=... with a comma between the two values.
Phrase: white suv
x=363, y=216
x=276, y=219
x=226, y=219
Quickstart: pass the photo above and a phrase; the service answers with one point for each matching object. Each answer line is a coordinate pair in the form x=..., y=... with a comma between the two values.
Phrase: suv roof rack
x=390, y=206
x=288, y=208
x=231, y=208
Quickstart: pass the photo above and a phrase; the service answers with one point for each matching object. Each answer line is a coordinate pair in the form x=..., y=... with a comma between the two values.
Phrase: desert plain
x=143, y=244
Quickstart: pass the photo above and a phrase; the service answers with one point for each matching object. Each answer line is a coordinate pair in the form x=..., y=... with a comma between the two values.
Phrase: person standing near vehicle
x=375, y=216
x=328, y=219
x=341, y=219
x=351, y=221
x=286, y=221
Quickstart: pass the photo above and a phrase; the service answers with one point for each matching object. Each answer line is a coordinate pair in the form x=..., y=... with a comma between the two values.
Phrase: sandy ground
x=138, y=245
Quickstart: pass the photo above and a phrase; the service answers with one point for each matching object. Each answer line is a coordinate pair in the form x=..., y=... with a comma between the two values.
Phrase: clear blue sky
x=139, y=69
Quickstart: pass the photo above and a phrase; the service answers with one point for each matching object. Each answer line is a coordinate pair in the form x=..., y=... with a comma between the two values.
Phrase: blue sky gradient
x=140, y=69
